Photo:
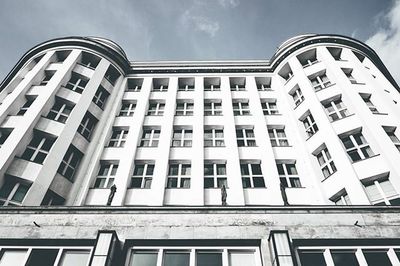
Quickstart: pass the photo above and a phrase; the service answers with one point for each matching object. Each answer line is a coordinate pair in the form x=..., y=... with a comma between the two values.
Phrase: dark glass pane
x=395, y=202
x=6, y=189
x=176, y=259
x=208, y=182
x=172, y=182
x=246, y=182
x=312, y=258
x=136, y=182
x=354, y=155
x=209, y=259
x=244, y=169
x=344, y=258
x=377, y=258
x=256, y=169
x=42, y=257
x=258, y=182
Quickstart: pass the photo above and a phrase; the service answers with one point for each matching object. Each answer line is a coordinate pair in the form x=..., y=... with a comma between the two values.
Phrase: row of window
x=179, y=175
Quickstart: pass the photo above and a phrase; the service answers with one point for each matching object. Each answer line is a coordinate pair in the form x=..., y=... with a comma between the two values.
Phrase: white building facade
x=287, y=161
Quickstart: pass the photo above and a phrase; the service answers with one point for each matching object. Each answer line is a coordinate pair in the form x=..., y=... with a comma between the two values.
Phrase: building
x=287, y=161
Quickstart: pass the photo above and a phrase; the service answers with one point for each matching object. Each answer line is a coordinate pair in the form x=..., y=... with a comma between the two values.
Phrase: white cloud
x=386, y=41
x=200, y=23
x=228, y=3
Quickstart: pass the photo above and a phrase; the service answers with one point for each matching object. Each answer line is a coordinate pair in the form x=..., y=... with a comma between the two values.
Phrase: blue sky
x=197, y=29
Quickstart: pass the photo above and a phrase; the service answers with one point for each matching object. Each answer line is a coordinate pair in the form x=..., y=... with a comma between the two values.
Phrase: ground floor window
x=194, y=256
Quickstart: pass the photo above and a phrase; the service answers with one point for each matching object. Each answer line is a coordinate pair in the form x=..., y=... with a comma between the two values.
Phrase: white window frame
x=383, y=197
x=153, y=142
x=186, y=87
x=326, y=163
x=312, y=127
x=391, y=134
x=367, y=99
x=246, y=140
x=357, y=147
x=240, y=107
x=276, y=137
x=215, y=175
x=212, y=87
x=38, y=149
x=180, y=176
x=119, y=140
x=342, y=199
x=127, y=108
x=77, y=87
x=187, y=110
x=215, y=107
x=61, y=115
x=214, y=139
x=251, y=176
x=297, y=96
x=146, y=179
x=97, y=98
x=186, y=137
x=156, y=108
x=25, y=107
x=288, y=176
x=340, y=112
x=66, y=162
x=109, y=177
x=269, y=107
x=160, y=88
x=319, y=80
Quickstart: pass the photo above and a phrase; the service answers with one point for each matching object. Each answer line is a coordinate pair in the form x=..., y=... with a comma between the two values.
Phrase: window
x=325, y=161
x=179, y=175
x=105, y=177
x=390, y=131
x=38, y=149
x=27, y=104
x=74, y=257
x=335, y=52
x=312, y=257
x=212, y=84
x=156, y=108
x=382, y=192
x=4, y=134
x=277, y=136
x=356, y=146
x=100, y=97
x=70, y=163
x=288, y=174
x=142, y=175
x=118, y=137
x=308, y=58
x=182, y=137
x=112, y=75
x=342, y=198
x=286, y=72
x=245, y=137
x=251, y=175
x=77, y=83
x=310, y=125
x=237, y=84
x=212, y=107
x=269, y=107
x=127, y=108
x=60, y=111
x=48, y=74
x=160, y=84
x=186, y=84
x=335, y=109
x=214, y=136
x=241, y=107
x=297, y=95
x=263, y=83
x=367, y=99
x=87, y=125
x=60, y=56
x=13, y=192
x=184, y=107
x=150, y=137
x=52, y=199
x=319, y=81
x=377, y=257
x=89, y=60
x=134, y=85
x=348, y=72
x=215, y=175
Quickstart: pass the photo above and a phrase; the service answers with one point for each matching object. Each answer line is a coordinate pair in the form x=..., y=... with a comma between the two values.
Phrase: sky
x=198, y=29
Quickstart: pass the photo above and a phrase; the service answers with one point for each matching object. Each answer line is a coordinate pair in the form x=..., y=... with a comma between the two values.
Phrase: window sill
x=375, y=155
x=380, y=113
x=183, y=115
x=357, y=83
x=254, y=187
x=289, y=79
x=312, y=63
x=180, y=146
x=325, y=178
x=255, y=146
x=295, y=107
x=177, y=188
x=287, y=146
x=214, y=146
x=272, y=114
x=219, y=188
x=311, y=136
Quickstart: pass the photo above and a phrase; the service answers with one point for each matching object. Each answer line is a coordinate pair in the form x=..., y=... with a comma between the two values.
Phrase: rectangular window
x=310, y=125
x=38, y=148
x=87, y=125
x=356, y=146
x=77, y=82
x=142, y=175
x=382, y=192
x=150, y=137
x=13, y=192
x=241, y=107
x=185, y=84
x=112, y=75
x=245, y=137
x=277, y=136
x=325, y=161
x=182, y=137
x=297, y=95
x=27, y=104
x=288, y=174
x=251, y=175
x=179, y=175
x=100, y=97
x=319, y=81
x=160, y=84
x=308, y=58
x=212, y=107
x=105, y=177
x=118, y=137
x=215, y=175
x=348, y=72
x=342, y=198
x=60, y=111
x=184, y=107
x=48, y=74
x=134, y=85
x=286, y=72
x=89, y=60
x=156, y=108
x=269, y=106
x=127, y=108
x=212, y=84
x=390, y=131
x=367, y=99
x=237, y=84
x=70, y=163
x=335, y=109
x=214, y=136
x=263, y=83
x=4, y=134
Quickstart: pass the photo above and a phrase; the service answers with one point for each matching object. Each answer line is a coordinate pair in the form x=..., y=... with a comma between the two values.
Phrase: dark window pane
x=246, y=182
x=377, y=258
x=258, y=182
x=208, y=182
x=344, y=258
x=176, y=259
x=42, y=257
x=143, y=259
x=312, y=258
x=136, y=182
x=209, y=259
